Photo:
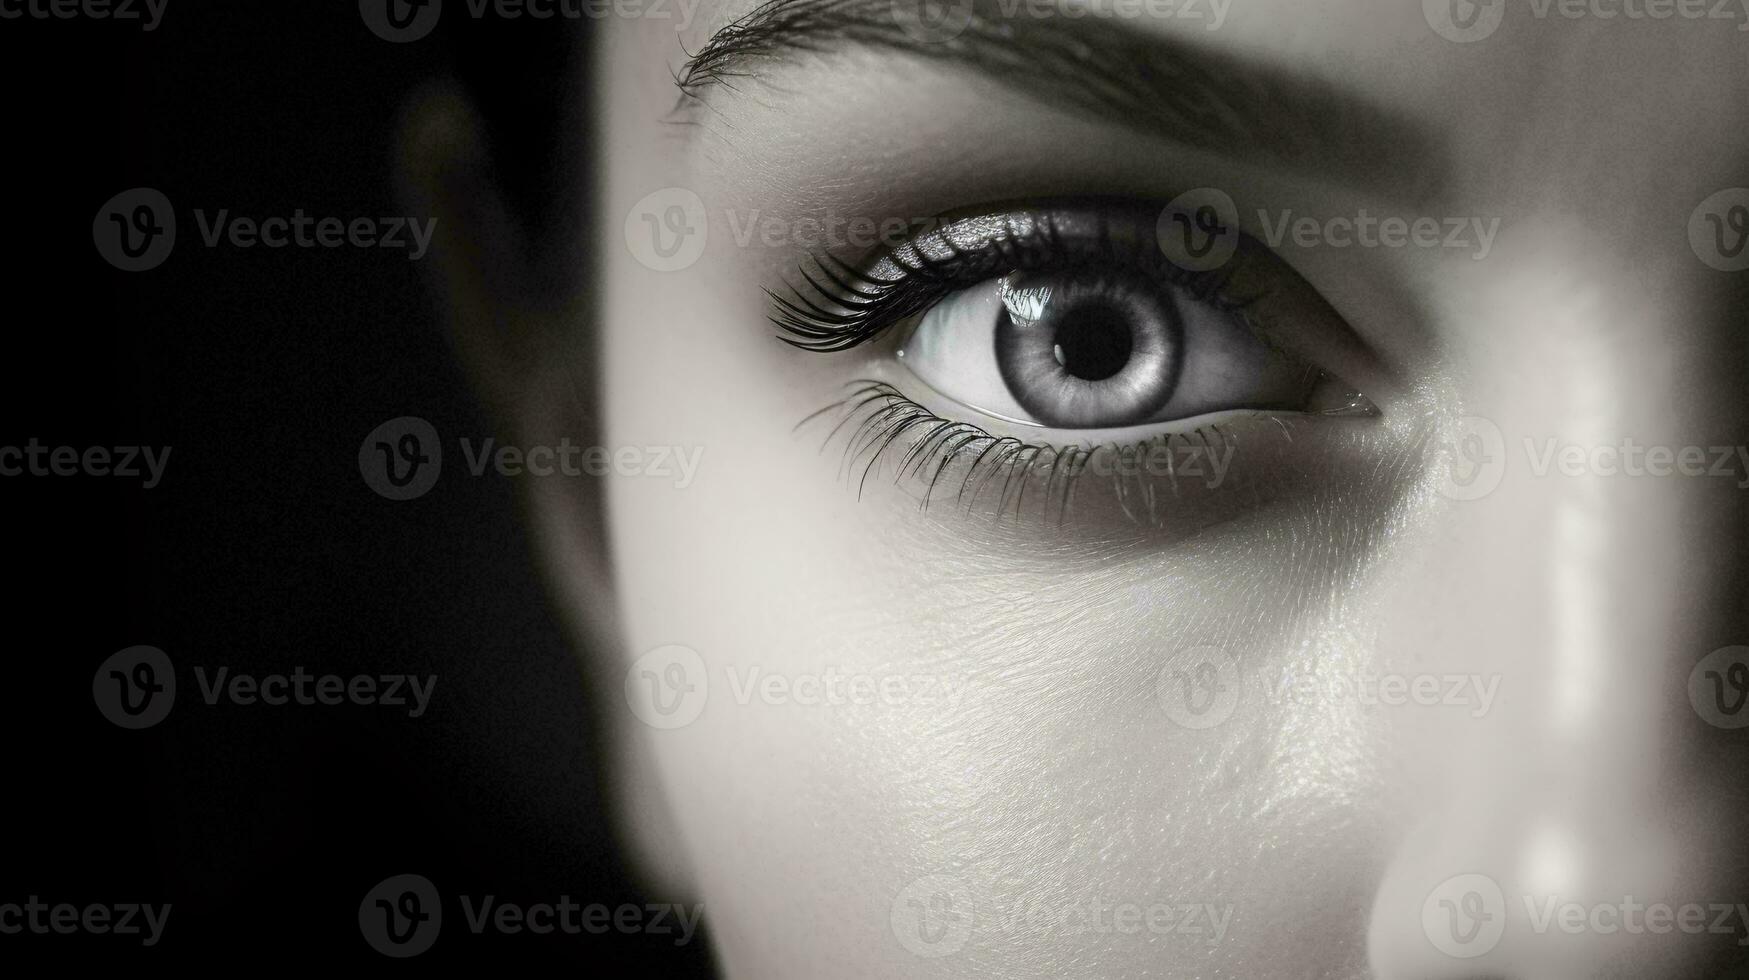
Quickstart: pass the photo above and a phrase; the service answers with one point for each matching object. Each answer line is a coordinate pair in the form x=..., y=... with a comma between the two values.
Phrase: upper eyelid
x=902, y=279
x=969, y=246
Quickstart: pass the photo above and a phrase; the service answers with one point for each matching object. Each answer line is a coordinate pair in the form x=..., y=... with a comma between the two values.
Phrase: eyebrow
x=1167, y=88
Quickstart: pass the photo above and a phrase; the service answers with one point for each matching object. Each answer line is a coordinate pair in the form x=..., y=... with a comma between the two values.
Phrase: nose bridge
x=1592, y=782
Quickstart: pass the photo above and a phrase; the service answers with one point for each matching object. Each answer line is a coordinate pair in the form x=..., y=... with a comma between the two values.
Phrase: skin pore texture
x=1041, y=776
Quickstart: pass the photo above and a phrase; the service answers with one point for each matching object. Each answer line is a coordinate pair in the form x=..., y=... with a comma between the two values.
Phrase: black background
x=263, y=549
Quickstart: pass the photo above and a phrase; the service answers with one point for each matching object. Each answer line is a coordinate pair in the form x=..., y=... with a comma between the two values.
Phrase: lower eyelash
x=882, y=423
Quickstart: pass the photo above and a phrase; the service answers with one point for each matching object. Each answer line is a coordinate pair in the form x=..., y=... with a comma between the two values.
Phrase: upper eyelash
x=843, y=306
x=865, y=303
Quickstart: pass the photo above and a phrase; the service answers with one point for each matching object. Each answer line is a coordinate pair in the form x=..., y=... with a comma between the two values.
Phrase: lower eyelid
x=1164, y=483
x=944, y=405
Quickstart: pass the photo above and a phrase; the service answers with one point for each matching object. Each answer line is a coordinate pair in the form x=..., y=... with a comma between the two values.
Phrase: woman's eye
x=1099, y=348
x=1070, y=316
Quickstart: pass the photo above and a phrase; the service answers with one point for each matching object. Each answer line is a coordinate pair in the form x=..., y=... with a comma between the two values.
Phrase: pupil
x=1093, y=342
